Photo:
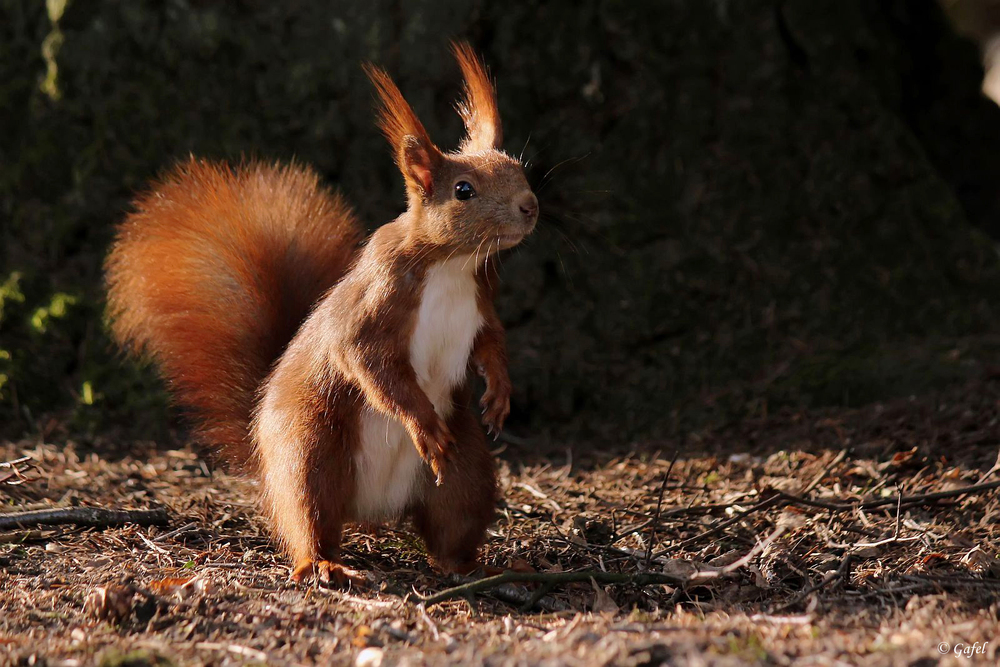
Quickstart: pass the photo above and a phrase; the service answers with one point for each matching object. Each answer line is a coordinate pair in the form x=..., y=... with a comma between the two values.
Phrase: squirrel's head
x=476, y=198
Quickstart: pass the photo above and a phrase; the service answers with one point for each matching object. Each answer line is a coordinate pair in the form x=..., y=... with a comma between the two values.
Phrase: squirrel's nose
x=527, y=204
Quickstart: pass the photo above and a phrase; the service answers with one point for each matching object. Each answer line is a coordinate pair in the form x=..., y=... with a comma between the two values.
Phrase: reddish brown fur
x=453, y=517
x=489, y=356
x=478, y=108
x=216, y=270
x=396, y=118
x=212, y=274
x=413, y=149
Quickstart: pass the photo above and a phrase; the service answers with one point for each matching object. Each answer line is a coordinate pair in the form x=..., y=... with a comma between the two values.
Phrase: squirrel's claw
x=496, y=407
x=434, y=446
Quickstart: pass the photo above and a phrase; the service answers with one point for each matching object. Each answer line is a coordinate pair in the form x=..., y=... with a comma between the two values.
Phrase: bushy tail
x=212, y=275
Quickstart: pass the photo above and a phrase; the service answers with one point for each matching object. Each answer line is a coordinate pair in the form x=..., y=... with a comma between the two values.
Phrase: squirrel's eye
x=464, y=190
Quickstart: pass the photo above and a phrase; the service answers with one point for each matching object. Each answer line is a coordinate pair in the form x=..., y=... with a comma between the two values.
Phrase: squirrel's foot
x=328, y=572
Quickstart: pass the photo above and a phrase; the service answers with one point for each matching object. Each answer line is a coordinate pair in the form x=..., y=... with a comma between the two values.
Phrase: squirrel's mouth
x=505, y=241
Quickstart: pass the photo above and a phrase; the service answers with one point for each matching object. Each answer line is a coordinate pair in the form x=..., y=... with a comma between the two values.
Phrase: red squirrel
x=337, y=371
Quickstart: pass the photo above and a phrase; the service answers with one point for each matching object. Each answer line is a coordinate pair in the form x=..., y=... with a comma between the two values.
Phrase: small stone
x=369, y=657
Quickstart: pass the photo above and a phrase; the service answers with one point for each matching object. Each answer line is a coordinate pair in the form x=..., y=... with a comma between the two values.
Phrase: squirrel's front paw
x=434, y=445
x=496, y=406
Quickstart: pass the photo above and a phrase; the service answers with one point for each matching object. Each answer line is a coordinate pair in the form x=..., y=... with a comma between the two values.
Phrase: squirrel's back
x=212, y=274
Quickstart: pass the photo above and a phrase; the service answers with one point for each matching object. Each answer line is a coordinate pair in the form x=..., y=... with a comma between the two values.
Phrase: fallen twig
x=84, y=516
x=173, y=533
x=709, y=509
x=760, y=547
x=898, y=500
x=13, y=471
x=946, y=580
x=17, y=537
x=694, y=510
x=659, y=505
x=507, y=592
x=762, y=505
x=782, y=498
x=553, y=578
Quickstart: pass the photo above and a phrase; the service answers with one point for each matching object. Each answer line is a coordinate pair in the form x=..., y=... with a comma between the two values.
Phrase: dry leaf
x=521, y=565
x=180, y=587
x=933, y=560
x=902, y=457
x=979, y=561
x=678, y=567
x=603, y=604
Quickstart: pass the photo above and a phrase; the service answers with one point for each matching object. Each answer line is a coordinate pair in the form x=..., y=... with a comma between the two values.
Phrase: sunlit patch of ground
x=760, y=525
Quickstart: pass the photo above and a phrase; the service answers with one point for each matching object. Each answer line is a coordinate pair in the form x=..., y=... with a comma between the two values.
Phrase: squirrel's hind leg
x=452, y=518
x=306, y=483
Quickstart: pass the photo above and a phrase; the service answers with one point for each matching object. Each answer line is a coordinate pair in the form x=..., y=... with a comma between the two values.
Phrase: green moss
x=56, y=309
x=10, y=292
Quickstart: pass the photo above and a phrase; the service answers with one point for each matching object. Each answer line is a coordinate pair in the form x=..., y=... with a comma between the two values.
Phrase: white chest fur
x=447, y=320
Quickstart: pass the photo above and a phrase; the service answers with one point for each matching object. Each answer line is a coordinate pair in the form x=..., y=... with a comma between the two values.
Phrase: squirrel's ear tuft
x=478, y=106
x=415, y=153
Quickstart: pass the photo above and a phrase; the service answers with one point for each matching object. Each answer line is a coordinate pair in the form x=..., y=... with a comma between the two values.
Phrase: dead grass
x=789, y=580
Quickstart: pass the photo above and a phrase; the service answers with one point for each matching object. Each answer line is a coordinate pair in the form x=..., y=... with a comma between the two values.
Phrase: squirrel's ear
x=418, y=162
x=478, y=106
x=417, y=156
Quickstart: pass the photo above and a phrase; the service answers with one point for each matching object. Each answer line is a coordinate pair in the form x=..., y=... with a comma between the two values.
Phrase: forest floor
x=803, y=537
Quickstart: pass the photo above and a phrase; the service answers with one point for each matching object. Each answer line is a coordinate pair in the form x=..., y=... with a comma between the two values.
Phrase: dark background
x=747, y=204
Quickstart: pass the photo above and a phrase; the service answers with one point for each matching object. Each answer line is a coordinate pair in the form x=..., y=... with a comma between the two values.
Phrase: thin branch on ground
x=952, y=580
x=898, y=500
x=97, y=517
x=695, y=510
x=659, y=506
x=13, y=471
x=759, y=548
x=173, y=533
x=781, y=498
x=759, y=507
x=551, y=579
x=554, y=578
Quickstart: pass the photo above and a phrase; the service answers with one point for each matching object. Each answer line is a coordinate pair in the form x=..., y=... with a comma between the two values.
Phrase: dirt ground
x=802, y=538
